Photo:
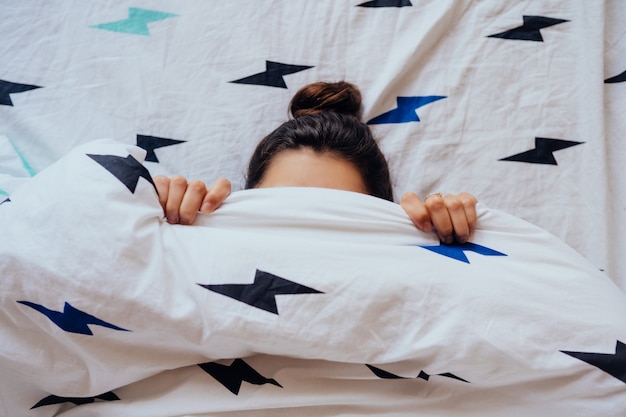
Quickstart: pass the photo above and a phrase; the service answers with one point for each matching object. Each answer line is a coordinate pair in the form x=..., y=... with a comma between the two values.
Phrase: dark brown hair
x=340, y=97
x=326, y=119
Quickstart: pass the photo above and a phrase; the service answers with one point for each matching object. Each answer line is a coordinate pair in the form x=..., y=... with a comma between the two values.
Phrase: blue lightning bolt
x=137, y=22
x=456, y=250
x=71, y=319
x=406, y=110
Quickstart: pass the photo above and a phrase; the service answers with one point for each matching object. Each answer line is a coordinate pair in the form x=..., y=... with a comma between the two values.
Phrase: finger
x=192, y=200
x=456, y=211
x=440, y=218
x=178, y=186
x=217, y=193
x=162, y=184
x=469, y=204
x=416, y=211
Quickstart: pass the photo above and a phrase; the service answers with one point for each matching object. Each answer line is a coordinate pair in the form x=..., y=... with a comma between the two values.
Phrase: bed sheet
x=518, y=102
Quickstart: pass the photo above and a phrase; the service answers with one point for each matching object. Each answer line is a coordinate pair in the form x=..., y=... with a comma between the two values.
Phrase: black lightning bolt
x=7, y=88
x=382, y=374
x=128, y=170
x=273, y=75
x=530, y=30
x=612, y=363
x=231, y=376
x=542, y=154
x=262, y=293
x=386, y=3
x=53, y=399
x=450, y=375
x=620, y=78
x=71, y=319
x=6, y=200
x=150, y=143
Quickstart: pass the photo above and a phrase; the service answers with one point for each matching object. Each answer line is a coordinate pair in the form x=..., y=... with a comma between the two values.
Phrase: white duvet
x=289, y=302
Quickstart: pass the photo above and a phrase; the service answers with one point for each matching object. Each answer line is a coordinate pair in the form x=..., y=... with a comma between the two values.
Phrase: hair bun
x=340, y=97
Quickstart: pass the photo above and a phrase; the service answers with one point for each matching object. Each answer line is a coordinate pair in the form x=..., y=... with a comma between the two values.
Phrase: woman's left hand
x=452, y=216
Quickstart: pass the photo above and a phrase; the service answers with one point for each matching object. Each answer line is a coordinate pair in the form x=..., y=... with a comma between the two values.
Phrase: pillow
x=100, y=297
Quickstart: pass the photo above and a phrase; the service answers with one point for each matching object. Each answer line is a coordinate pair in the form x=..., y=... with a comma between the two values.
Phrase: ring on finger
x=433, y=194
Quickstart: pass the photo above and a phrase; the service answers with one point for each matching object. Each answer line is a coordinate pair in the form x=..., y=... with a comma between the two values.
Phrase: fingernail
x=172, y=220
x=428, y=227
x=206, y=208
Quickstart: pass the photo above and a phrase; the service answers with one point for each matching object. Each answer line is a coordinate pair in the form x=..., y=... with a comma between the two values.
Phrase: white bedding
x=520, y=102
x=182, y=71
x=289, y=301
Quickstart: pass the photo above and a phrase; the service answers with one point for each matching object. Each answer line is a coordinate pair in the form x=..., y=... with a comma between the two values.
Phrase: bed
x=306, y=301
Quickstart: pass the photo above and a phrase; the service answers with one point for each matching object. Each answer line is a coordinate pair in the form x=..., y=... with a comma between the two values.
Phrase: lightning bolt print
x=620, y=78
x=386, y=3
x=530, y=30
x=263, y=291
x=457, y=250
x=406, y=110
x=150, y=143
x=128, y=170
x=7, y=88
x=136, y=23
x=72, y=320
x=613, y=364
x=53, y=399
x=382, y=374
x=273, y=75
x=233, y=375
x=543, y=151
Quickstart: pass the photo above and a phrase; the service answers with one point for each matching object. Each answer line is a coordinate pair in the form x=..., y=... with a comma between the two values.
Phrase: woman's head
x=326, y=123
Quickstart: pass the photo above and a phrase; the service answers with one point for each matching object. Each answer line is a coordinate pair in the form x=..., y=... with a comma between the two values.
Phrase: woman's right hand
x=182, y=200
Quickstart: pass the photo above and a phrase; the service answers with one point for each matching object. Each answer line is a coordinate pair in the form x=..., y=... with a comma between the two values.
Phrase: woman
x=325, y=145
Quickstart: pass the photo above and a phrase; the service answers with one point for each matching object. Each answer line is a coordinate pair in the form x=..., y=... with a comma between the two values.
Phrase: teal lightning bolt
x=137, y=22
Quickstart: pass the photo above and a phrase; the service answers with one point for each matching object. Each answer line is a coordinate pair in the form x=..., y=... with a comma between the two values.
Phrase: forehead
x=306, y=168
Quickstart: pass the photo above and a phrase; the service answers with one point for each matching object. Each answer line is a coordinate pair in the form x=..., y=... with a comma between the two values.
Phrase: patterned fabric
x=105, y=310
x=518, y=102
x=289, y=301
